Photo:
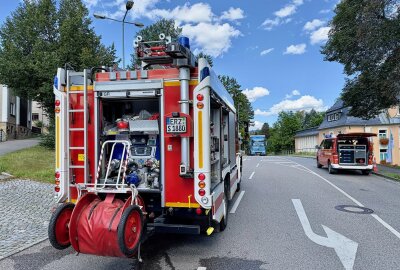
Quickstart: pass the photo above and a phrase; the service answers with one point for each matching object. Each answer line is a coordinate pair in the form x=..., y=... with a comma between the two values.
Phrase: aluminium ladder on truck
x=77, y=83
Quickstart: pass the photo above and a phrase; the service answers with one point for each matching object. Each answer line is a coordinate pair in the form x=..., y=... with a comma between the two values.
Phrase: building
x=386, y=125
x=15, y=115
x=40, y=119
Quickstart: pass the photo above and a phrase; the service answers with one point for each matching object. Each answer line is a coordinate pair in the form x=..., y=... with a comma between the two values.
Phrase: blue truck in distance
x=258, y=145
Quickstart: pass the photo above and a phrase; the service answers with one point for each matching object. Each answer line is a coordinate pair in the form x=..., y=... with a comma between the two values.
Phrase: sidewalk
x=12, y=146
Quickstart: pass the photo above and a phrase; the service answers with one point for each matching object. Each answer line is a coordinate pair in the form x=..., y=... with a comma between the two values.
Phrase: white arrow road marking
x=345, y=248
x=235, y=206
x=251, y=176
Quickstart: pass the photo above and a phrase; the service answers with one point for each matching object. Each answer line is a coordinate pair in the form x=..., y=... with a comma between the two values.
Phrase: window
x=333, y=117
x=382, y=133
x=35, y=116
x=328, y=144
x=12, y=108
x=383, y=154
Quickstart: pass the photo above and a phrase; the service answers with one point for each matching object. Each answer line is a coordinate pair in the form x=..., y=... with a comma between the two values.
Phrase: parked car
x=351, y=151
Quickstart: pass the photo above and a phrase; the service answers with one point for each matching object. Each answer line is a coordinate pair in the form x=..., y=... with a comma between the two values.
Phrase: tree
x=265, y=130
x=283, y=131
x=312, y=119
x=365, y=38
x=153, y=31
x=37, y=38
x=208, y=57
x=242, y=104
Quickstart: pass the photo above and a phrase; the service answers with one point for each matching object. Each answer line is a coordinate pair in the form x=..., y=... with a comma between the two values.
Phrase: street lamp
x=129, y=5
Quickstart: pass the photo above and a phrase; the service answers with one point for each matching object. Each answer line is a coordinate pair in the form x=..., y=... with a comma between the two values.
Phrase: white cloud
x=293, y=93
x=286, y=11
x=282, y=16
x=304, y=103
x=232, y=14
x=267, y=51
x=199, y=12
x=269, y=24
x=312, y=25
x=214, y=39
x=91, y=3
x=257, y=125
x=320, y=35
x=296, y=49
x=296, y=93
x=325, y=11
x=256, y=93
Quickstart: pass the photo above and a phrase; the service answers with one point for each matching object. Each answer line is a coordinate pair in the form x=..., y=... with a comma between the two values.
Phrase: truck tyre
x=319, y=165
x=365, y=172
x=130, y=230
x=224, y=221
x=58, y=230
x=330, y=169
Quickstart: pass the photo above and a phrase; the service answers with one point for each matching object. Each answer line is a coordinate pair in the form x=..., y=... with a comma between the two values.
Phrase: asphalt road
x=278, y=224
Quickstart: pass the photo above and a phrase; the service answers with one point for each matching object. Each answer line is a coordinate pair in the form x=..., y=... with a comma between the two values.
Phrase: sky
x=271, y=47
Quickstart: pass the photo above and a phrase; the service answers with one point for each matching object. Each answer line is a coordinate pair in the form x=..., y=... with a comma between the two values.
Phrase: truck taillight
x=57, y=110
x=200, y=97
x=370, y=159
x=335, y=159
x=57, y=189
x=57, y=182
x=57, y=175
x=199, y=211
x=200, y=105
x=202, y=184
x=202, y=192
x=202, y=176
x=57, y=102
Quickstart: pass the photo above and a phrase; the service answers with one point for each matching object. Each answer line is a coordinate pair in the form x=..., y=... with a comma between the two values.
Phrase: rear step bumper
x=174, y=228
x=352, y=167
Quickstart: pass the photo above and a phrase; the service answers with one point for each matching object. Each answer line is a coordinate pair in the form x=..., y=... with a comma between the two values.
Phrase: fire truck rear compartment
x=353, y=151
x=138, y=122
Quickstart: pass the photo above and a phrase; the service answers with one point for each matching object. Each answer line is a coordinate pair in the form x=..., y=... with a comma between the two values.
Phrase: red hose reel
x=109, y=227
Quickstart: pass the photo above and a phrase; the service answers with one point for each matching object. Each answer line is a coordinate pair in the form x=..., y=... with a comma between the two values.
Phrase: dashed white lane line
x=258, y=164
x=235, y=206
x=202, y=268
x=251, y=176
x=381, y=221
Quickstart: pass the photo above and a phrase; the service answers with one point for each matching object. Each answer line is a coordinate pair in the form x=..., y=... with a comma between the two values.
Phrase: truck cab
x=351, y=151
x=258, y=145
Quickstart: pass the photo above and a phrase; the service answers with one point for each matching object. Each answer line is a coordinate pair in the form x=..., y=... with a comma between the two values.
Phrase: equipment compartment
x=137, y=122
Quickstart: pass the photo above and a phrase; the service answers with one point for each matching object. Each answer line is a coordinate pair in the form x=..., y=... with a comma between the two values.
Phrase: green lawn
x=36, y=163
x=395, y=176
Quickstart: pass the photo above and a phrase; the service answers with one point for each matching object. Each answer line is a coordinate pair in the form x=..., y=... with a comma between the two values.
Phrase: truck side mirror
x=317, y=147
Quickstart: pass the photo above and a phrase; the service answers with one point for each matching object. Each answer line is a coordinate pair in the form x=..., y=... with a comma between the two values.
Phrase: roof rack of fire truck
x=164, y=52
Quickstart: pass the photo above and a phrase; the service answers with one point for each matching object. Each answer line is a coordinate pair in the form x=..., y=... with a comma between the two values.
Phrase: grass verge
x=394, y=176
x=35, y=163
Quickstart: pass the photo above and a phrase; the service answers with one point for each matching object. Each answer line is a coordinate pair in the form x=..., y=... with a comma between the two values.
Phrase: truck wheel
x=58, y=230
x=330, y=169
x=319, y=165
x=365, y=172
x=224, y=222
x=130, y=230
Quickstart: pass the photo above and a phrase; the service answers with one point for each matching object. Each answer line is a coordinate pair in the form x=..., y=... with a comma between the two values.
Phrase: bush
x=48, y=140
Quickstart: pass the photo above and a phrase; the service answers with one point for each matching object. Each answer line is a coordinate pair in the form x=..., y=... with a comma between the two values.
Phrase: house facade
x=15, y=115
x=386, y=125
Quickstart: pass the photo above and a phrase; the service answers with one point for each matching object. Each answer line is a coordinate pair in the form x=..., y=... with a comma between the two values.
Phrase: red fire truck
x=142, y=151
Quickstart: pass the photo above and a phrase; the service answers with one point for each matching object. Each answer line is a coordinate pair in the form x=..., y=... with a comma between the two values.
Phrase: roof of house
x=307, y=132
x=346, y=120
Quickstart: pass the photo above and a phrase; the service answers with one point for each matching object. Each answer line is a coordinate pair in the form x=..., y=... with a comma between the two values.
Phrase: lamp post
x=129, y=5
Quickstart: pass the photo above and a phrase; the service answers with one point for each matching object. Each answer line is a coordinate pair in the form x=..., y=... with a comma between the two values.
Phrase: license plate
x=176, y=125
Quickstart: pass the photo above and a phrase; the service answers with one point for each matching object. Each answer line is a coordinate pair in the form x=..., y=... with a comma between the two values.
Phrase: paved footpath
x=15, y=145
x=24, y=214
